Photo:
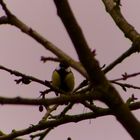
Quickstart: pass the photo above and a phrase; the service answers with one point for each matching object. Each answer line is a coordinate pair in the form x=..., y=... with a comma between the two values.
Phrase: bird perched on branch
x=63, y=78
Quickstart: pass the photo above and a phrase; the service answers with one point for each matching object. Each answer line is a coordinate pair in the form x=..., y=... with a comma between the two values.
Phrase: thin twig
x=49, y=110
x=13, y=20
x=126, y=54
x=125, y=85
x=64, y=120
x=125, y=76
x=44, y=59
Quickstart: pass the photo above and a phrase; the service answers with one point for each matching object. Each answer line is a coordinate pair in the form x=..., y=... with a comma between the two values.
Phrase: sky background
x=20, y=52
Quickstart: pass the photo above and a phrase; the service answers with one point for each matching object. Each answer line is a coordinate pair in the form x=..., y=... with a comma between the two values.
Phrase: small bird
x=63, y=78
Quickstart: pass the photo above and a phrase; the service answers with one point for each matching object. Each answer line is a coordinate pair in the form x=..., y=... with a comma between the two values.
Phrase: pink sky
x=20, y=52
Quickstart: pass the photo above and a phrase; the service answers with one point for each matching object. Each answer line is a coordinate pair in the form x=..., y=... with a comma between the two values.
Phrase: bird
x=63, y=78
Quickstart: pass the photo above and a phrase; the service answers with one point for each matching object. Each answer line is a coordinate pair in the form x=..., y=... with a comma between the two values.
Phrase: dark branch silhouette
x=95, y=85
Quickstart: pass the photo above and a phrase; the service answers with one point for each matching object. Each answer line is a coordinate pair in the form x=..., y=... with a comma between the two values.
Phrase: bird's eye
x=68, y=69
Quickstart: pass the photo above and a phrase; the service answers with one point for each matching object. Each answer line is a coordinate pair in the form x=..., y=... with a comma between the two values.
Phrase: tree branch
x=133, y=49
x=13, y=20
x=64, y=99
x=115, y=12
x=17, y=73
x=63, y=120
x=109, y=94
x=128, y=30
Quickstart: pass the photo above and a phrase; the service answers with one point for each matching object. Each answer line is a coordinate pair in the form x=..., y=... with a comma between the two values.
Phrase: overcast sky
x=19, y=51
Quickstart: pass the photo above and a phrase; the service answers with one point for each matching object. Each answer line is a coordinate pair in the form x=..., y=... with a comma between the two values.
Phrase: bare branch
x=121, y=22
x=98, y=87
x=41, y=135
x=17, y=73
x=49, y=110
x=64, y=99
x=7, y=11
x=44, y=59
x=133, y=49
x=125, y=85
x=126, y=28
x=13, y=20
x=64, y=120
x=125, y=76
x=109, y=94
